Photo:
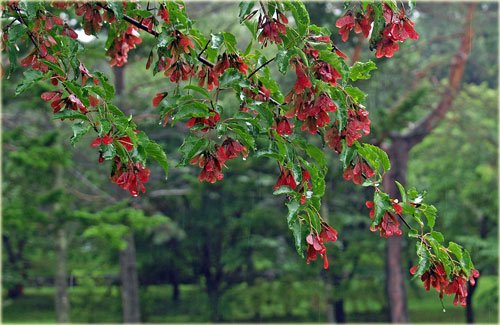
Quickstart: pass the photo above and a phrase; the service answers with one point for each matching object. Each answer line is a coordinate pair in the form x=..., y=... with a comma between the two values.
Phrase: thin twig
x=132, y=21
x=263, y=65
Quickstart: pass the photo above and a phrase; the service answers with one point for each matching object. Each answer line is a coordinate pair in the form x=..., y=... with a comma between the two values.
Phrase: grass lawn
x=262, y=302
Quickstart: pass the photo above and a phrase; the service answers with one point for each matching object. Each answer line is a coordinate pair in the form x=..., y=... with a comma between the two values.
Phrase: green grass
x=262, y=302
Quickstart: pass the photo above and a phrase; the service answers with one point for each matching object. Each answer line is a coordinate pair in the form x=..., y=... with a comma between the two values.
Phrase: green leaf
x=79, y=130
x=423, y=260
x=430, y=213
x=70, y=114
x=283, y=60
x=382, y=203
x=283, y=190
x=347, y=154
x=317, y=154
x=199, y=90
x=335, y=61
x=54, y=67
x=413, y=233
x=252, y=27
x=401, y=191
x=265, y=113
x=192, y=109
x=108, y=88
x=356, y=94
x=300, y=15
x=16, y=32
x=437, y=236
x=30, y=78
x=245, y=138
x=230, y=42
x=117, y=8
x=115, y=111
x=293, y=208
x=378, y=25
x=245, y=8
x=455, y=249
x=233, y=78
x=374, y=155
x=466, y=262
x=191, y=146
x=361, y=70
x=156, y=152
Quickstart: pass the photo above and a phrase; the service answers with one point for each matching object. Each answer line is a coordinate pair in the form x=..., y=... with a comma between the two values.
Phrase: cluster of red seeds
x=271, y=28
x=397, y=28
x=312, y=110
x=359, y=172
x=316, y=244
x=212, y=163
x=436, y=277
x=122, y=44
x=389, y=225
x=130, y=177
x=358, y=124
x=224, y=62
x=286, y=179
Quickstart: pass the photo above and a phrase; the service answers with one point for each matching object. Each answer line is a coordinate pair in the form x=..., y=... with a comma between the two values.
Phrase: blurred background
x=77, y=248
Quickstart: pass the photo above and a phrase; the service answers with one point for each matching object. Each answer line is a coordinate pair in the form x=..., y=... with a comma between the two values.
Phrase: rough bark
x=129, y=282
x=398, y=152
x=61, y=278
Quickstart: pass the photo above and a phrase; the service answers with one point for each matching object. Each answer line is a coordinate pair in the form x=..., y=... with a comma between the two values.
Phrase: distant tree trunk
x=214, y=296
x=212, y=271
x=15, y=254
x=129, y=282
x=175, y=285
x=339, y=311
x=469, y=310
x=395, y=285
x=330, y=306
x=61, y=278
x=128, y=267
x=119, y=73
x=334, y=306
x=398, y=152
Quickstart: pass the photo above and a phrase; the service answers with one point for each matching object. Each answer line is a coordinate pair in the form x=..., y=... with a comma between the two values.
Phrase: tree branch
x=263, y=65
x=131, y=21
x=426, y=125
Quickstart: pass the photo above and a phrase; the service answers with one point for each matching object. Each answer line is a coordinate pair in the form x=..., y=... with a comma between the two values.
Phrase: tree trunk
x=331, y=302
x=214, y=296
x=330, y=305
x=398, y=152
x=129, y=283
x=469, y=310
x=395, y=286
x=119, y=73
x=339, y=311
x=61, y=278
x=175, y=284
